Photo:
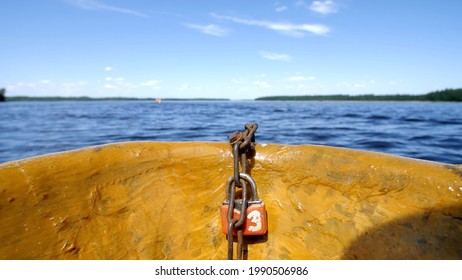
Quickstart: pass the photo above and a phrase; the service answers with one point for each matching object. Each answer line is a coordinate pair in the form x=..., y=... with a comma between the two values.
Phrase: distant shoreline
x=448, y=95
x=86, y=98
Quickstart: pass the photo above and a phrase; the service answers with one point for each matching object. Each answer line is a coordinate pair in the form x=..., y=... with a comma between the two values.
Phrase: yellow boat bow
x=154, y=200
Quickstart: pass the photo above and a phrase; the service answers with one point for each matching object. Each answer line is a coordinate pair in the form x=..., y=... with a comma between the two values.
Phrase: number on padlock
x=256, y=220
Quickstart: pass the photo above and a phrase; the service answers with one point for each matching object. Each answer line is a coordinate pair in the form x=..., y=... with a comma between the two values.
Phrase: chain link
x=243, y=148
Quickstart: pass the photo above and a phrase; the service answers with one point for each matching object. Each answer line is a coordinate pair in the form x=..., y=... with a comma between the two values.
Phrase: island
x=448, y=95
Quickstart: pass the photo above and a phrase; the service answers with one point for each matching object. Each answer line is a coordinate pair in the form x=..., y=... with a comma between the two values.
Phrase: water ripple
x=429, y=131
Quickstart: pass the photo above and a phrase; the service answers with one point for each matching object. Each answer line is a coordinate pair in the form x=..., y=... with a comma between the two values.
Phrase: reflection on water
x=431, y=131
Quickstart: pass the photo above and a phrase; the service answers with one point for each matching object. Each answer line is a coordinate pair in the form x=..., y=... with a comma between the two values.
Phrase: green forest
x=448, y=95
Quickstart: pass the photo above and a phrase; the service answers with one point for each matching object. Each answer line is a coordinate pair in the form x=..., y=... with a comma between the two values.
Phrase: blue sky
x=229, y=49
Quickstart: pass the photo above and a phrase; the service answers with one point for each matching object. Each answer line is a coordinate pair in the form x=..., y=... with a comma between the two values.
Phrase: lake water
x=431, y=131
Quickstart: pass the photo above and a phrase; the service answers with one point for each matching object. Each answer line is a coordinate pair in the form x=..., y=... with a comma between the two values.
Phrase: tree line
x=449, y=95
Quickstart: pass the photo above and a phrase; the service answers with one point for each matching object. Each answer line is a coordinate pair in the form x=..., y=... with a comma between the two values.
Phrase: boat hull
x=154, y=200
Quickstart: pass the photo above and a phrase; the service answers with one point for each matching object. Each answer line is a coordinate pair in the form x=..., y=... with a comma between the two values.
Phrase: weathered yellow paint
x=148, y=200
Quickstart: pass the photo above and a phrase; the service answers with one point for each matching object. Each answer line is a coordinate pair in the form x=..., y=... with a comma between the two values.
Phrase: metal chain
x=236, y=223
x=243, y=147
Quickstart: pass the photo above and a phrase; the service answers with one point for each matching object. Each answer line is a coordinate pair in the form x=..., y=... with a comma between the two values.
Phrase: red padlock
x=256, y=220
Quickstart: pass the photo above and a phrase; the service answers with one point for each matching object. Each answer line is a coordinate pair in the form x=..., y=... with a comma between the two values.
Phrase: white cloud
x=119, y=84
x=261, y=84
x=300, y=79
x=210, y=29
x=109, y=86
x=94, y=5
x=189, y=88
x=239, y=81
x=117, y=79
x=152, y=84
x=276, y=56
x=359, y=85
x=286, y=28
x=108, y=69
x=280, y=8
x=324, y=7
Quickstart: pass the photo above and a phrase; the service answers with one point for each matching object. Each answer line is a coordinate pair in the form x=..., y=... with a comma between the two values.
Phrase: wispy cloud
x=152, y=84
x=261, y=84
x=119, y=84
x=322, y=7
x=239, y=81
x=280, y=8
x=117, y=79
x=276, y=56
x=94, y=5
x=210, y=29
x=300, y=79
x=286, y=28
x=110, y=86
x=108, y=69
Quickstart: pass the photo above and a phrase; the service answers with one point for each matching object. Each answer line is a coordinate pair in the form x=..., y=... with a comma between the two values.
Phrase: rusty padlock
x=256, y=219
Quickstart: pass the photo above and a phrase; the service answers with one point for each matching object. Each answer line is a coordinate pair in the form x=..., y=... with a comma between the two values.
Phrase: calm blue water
x=431, y=131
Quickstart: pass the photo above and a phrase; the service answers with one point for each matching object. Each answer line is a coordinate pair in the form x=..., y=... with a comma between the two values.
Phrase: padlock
x=256, y=219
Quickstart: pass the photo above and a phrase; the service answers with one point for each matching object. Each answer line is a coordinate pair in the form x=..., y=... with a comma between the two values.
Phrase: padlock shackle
x=249, y=179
